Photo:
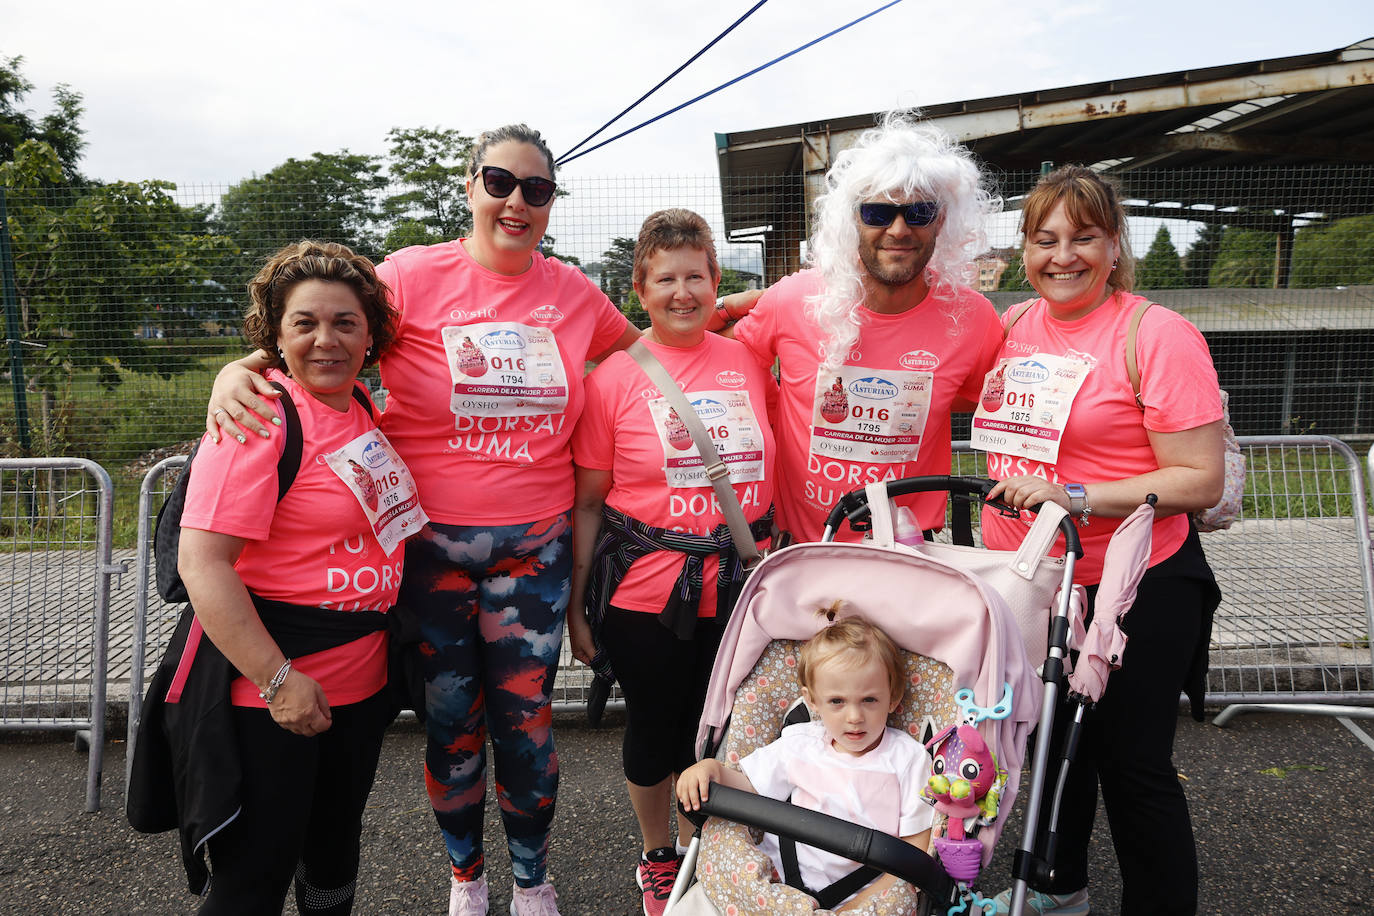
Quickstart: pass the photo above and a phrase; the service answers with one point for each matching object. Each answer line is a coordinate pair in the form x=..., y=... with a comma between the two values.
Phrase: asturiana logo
x=708, y=408
x=503, y=340
x=731, y=379
x=1029, y=372
x=919, y=360
x=374, y=456
x=873, y=388
x=547, y=314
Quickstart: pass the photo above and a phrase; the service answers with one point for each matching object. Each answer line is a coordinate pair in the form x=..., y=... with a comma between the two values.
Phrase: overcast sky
x=197, y=92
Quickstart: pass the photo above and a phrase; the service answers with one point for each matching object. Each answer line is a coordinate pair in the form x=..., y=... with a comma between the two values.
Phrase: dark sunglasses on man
x=880, y=216
x=500, y=183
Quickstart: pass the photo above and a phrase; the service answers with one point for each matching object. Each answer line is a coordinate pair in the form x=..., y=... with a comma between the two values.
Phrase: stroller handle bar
x=861, y=844
x=854, y=505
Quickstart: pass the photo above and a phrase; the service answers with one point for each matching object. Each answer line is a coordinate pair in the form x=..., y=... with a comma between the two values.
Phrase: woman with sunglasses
x=485, y=387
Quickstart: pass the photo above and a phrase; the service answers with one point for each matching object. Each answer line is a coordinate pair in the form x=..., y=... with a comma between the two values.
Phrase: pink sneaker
x=468, y=898
x=534, y=901
x=655, y=876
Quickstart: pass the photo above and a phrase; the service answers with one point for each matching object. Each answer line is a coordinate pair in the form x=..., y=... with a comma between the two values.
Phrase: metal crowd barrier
x=1295, y=570
x=1297, y=580
x=55, y=568
x=154, y=619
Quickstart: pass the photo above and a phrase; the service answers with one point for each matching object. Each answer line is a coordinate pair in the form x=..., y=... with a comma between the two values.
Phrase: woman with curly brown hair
x=297, y=608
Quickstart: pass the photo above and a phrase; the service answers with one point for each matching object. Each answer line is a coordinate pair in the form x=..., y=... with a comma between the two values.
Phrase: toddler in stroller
x=849, y=763
x=964, y=663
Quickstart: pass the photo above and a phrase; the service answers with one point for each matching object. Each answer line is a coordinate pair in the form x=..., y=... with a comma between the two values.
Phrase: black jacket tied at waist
x=186, y=770
x=624, y=539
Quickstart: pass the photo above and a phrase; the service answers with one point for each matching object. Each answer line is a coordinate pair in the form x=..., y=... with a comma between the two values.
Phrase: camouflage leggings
x=491, y=603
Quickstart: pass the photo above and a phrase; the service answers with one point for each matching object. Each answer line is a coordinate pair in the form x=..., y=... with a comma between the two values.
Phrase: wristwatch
x=1078, y=501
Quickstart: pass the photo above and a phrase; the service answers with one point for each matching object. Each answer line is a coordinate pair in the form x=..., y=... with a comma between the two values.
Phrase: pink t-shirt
x=315, y=547
x=940, y=350
x=880, y=789
x=629, y=430
x=1105, y=437
x=484, y=380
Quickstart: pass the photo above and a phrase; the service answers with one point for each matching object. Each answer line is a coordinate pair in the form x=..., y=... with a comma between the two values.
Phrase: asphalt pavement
x=1282, y=806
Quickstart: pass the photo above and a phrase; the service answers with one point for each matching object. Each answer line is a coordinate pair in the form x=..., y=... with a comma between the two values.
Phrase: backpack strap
x=1132, y=366
x=289, y=464
x=360, y=394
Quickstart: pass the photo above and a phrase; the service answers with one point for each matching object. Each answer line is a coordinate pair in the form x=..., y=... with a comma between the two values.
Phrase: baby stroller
x=951, y=608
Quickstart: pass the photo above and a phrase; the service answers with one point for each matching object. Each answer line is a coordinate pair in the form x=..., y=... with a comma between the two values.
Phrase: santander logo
x=919, y=360
x=731, y=379
x=547, y=314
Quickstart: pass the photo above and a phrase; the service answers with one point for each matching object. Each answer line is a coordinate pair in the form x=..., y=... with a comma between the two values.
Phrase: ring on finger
x=217, y=411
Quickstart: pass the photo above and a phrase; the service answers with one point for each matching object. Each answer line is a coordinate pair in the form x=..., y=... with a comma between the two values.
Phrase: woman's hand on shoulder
x=236, y=400
x=737, y=305
x=300, y=706
x=1028, y=491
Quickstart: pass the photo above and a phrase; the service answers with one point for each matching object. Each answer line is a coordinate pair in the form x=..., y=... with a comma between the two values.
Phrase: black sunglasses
x=921, y=213
x=500, y=183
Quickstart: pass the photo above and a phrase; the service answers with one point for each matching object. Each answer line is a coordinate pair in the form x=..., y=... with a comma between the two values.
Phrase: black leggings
x=1127, y=749
x=302, y=813
x=663, y=680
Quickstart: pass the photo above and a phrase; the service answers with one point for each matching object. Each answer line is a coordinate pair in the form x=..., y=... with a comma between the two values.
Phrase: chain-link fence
x=122, y=300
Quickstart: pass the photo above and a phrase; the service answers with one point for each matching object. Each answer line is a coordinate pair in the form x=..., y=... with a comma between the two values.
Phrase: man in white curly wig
x=882, y=336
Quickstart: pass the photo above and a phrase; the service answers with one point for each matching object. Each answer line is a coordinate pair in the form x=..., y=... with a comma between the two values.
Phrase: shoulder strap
x=830, y=897
x=716, y=471
x=1132, y=367
x=1016, y=313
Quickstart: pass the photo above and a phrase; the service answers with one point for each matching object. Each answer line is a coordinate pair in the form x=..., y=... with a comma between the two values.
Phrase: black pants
x=663, y=680
x=303, y=802
x=1127, y=749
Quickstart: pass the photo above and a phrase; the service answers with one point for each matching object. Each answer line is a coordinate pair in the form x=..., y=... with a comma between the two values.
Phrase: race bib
x=875, y=416
x=505, y=369
x=1025, y=405
x=382, y=484
x=734, y=430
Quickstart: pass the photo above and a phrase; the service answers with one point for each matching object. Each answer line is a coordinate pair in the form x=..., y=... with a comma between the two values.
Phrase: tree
x=1245, y=259
x=1198, y=262
x=734, y=281
x=60, y=129
x=93, y=267
x=1014, y=276
x=1341, y=254
x=329, y=196
x=617, y=270
x=1160, y=268
x=430, y=165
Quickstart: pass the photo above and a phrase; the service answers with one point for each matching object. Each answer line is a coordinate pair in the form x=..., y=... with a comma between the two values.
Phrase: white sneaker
x=468, y=898
x=534, y=901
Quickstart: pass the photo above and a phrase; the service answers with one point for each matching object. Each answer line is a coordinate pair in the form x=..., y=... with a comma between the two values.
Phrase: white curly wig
x=902, y=158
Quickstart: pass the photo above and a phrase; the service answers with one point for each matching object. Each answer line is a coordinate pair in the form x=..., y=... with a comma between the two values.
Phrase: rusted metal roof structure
x=1294, y=114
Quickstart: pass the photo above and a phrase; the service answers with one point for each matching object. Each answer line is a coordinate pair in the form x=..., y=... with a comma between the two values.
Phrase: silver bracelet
x=723, y=312
x=268, y=695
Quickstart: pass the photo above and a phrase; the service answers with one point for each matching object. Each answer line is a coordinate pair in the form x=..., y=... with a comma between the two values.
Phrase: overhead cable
x=664, y=80
x=726, y=85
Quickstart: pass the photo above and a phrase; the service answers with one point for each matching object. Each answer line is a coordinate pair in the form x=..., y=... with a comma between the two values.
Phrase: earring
x=368, y=354
x=1113, y=265
x=280, y=355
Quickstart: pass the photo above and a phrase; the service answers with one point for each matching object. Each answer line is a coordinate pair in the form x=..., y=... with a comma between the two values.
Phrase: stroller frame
x=871, y=847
